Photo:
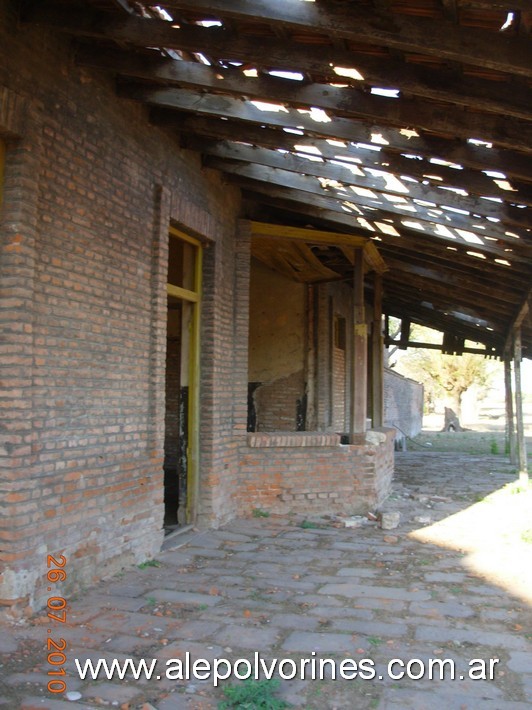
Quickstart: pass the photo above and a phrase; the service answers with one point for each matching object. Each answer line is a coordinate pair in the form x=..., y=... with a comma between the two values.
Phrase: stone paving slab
x=286, y=592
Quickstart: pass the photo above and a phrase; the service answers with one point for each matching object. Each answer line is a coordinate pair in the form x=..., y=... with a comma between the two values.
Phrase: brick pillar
x=241, y=337
x=19, y=126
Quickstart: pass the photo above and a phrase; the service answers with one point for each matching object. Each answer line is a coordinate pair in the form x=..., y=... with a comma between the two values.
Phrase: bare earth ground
x=453, y=580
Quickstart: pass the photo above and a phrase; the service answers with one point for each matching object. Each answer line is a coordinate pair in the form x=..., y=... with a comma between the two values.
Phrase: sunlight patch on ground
x=496, y=536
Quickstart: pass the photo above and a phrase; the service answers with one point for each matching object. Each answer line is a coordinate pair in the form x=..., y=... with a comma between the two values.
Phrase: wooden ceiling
x=408, y=121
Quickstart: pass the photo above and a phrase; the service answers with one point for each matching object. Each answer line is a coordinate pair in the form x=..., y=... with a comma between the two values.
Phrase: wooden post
x=510, y=428
x=521, y=444
x=377, y=355
x=359, y=395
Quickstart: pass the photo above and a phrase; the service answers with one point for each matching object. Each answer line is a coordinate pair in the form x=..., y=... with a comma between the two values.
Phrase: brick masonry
x=311, y=472
x=90, y=192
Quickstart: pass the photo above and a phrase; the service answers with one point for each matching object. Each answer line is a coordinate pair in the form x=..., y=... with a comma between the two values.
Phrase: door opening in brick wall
x=181, y=482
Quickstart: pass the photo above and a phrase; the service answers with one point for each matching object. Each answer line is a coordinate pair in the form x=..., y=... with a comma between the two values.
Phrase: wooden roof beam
x=437, y=38
x=354, y=175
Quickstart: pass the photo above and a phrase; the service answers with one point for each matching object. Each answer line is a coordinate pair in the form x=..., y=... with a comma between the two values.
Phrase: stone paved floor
x=452, y=581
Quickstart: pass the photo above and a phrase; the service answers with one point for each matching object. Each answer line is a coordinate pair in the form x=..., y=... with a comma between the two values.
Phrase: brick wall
x=311, y=472
x=90, y=191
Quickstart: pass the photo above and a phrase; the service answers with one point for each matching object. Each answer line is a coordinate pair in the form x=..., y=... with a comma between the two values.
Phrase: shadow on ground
x=442, y=585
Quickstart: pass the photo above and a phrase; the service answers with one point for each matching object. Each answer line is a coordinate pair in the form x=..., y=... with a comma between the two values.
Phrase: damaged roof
x=407, y=122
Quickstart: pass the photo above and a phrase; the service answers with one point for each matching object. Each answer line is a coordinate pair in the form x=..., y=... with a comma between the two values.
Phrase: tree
x=444, y=377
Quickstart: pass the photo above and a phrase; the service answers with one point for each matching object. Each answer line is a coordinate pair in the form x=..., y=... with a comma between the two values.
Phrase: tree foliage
x=445, y=377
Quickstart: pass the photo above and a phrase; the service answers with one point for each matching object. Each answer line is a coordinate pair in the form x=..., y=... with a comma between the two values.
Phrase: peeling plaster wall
x=276, y=348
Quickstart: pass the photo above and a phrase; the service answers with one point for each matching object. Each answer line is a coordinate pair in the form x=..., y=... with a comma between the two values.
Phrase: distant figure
x=452, y=423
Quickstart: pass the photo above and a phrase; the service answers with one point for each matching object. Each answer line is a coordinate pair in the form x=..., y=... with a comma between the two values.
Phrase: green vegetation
x=149, y=563
x=258, y=513
x=309, y=525
x=526, y=536
x=252, y=695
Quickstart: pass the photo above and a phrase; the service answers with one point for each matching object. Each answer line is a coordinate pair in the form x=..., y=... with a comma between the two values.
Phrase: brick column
x=19, y=126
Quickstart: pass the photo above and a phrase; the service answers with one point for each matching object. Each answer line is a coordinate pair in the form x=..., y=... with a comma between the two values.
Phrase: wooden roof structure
x=405, y=121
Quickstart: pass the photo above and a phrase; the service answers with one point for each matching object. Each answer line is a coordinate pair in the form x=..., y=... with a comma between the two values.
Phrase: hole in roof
x=469, y=237
x=163, y=14
x=480, y=142
x=336, y=142
x=398, y=200
x=349, y=72
x=494, y=174
x=503, y=262
x=364, y=223
x=476, y=254
x=505, y=185
x=452, y=248
x=307, y=149
x=491, y=199
x=379, y=139
x=457, y=190
x=209, y=23
x=446, y=163
x=414, y=225
x=512, y=234
x=363, y=192
x=295, y=131
x=293, y=75
x=353, y=169
x=366, y=146
x=202, y=58
x=493, y=219
x=389, y=93
x=433, y=177
x=411, y=156
x=267, y=106
x=251, y=73
x=409, y=133
x=350, y=207
x=443, y=231
x=387, y=229
x=316, y=114
x=510, y=17
x=456, y=210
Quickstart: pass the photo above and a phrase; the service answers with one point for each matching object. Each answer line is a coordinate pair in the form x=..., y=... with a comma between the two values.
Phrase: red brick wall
x=90, y=191
x=310, y=472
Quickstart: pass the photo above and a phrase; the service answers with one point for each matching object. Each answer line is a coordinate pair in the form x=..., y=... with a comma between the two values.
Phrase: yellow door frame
x=193, y=297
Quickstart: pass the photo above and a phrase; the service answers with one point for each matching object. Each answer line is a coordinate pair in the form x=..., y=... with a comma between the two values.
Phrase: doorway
x=181, y=474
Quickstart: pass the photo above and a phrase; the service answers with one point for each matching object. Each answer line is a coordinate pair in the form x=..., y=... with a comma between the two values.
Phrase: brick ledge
x=292, y=439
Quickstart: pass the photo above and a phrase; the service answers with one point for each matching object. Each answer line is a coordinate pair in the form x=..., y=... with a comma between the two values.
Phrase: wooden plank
x=522, y=462
x=411, y=34
x=359, y=367
x=471, y=158
x=470, y=180
x=500, y=129
x=367, y=209
x=377, y=356
x=292, y=258
x=508, y=133
x=355, y=175
x=441, y=84
x=509, y=410
x=182, y=293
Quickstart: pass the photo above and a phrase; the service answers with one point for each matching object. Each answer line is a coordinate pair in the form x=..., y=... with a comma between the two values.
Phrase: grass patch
x=526, y=536
x=149, y=563
x=259, y=513
x=309, y=525
x=252, y=695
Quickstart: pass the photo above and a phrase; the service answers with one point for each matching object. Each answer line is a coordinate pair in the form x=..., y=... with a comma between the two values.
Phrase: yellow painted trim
x=184, y=237
x=182, y=293
x=319, y=236
x=193, y=472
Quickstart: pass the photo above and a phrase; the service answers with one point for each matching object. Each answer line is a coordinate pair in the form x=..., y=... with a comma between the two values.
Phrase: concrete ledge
x=264, y=440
